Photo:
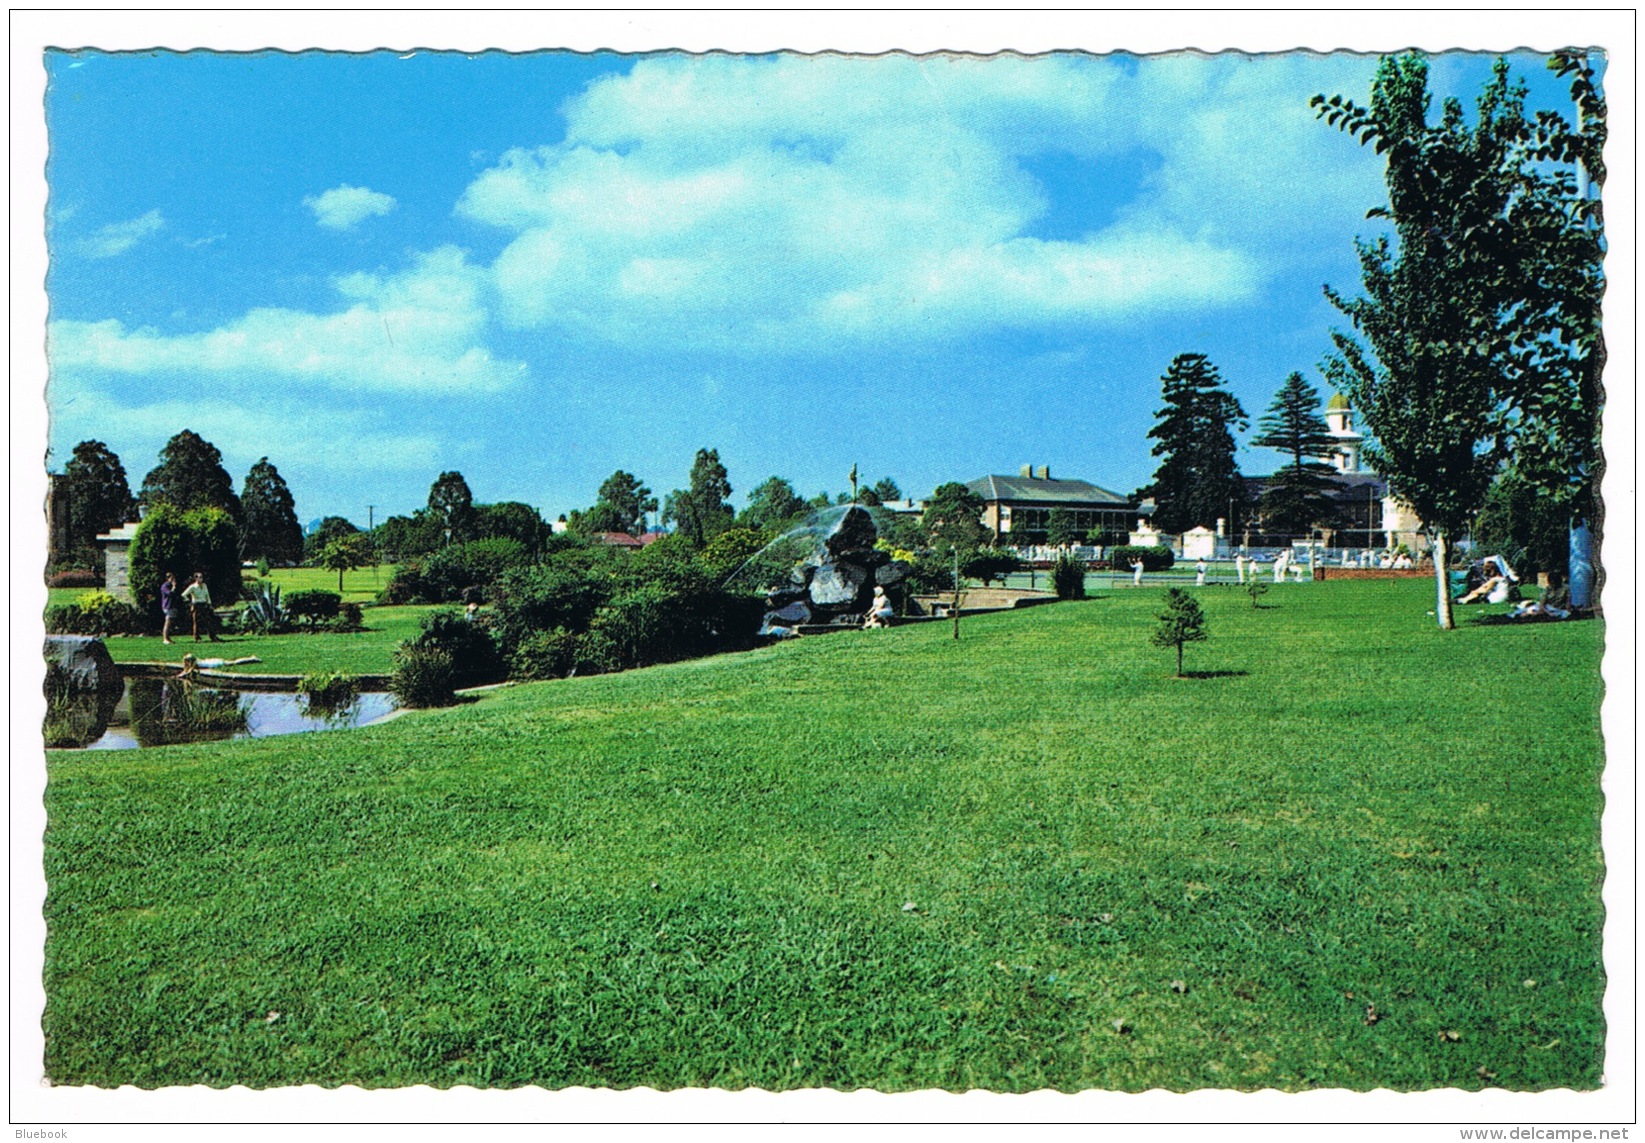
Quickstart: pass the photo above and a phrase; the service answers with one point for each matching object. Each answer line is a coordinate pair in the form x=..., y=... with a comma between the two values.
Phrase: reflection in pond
x=165, y=712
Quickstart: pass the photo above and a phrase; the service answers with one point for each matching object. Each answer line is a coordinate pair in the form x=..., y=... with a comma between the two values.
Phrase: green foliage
x=475, y=658
x=199, y=709
x=190, y=476
x=328, y=690
x=1295, y=499
x=404, y=538
x=700, y=512
x=271, y=531
x=452, y=504
x=204, y=539
x=1256, y=589
x=477, y=564
x=1197, y=478
x=264, y=568
x=988, y=564
x=1182, y=621
x=1060, y=529
x=544, y=655
x=1521, y=522
x=405, y=585
x=423, y=677
x=96, y=495
x=345, y=553
x=622, y=506
x=512, y=520
x=953, y=519
x=729, y=550
x=330, y=529
x=314, y=606
x=1068, y=577
x=773, y=506
x=1155, y=558
x=266, y=612
x=95, y=613
x=349, y=617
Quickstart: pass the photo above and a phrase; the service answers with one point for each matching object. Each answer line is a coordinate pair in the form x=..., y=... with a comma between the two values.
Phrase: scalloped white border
x=1245, y=1115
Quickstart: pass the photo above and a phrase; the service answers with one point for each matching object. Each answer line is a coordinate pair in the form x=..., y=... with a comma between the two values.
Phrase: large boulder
x=893, y=573
x=84, y=662
x=791, y=616
x=855, y=532
x=838, y=584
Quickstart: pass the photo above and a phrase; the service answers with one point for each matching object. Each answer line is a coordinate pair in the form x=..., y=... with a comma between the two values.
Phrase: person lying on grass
x=192, y=666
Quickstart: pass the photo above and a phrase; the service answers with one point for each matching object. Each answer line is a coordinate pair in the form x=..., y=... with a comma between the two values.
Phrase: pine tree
x=190, y=475
x=1296, y=498
x=271, y=530
x=1197, y=478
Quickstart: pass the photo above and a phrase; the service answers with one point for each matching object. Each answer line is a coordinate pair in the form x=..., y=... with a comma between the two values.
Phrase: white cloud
x=118, y=237
x=419, y=332
x=734, y=201
x=344, y=207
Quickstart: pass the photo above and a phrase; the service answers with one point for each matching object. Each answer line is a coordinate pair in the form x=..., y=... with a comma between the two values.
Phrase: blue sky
x=539, y=268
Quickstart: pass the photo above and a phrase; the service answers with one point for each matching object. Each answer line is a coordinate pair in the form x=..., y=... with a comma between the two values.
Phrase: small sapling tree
x=1182, y=621
x=1256, y=589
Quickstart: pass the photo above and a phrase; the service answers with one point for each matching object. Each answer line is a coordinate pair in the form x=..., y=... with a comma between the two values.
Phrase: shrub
x=990, y=564
x=266, y=613
x=405, y=585
x=314, y=605
x=75, y=577
x=349, y=618
x=1256, y=589
x=564, y=592
x=263, y=568
x=423, y=676
x=328, y=690
x=640, y=625
x=1158, y=558
x=205, y=539
x=1068, y=577
x=97, y=613
x=478, y=563
x=544, y=655
x=930, y=574
x=596, y=654
x=474, y=654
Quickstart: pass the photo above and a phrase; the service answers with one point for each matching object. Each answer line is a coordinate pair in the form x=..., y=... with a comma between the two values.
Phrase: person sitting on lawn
x=879, y=610
x=1495, y=589
x=1554, y=604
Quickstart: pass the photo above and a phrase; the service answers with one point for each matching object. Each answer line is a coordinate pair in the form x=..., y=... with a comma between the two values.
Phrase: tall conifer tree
x=1197, y=480
x=1296, y=499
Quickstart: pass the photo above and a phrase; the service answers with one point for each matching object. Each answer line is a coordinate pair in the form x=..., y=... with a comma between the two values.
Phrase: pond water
x=166, y=712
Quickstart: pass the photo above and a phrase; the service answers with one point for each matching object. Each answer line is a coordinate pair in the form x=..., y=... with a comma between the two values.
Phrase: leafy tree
x=408, y=537
x=988, y=564
x=1521, y=521
x=96, y=496
x=271, y=531
x=1197, y=477
x=1060, y=530
x=512, y=520
x=203, y=539
x=886, y=489
x=771, y=505
x=452, y=503
x=953, y=519
x=1296, y=499
x=329, y=529
x=625, y=501
x=602, y=517
x=701, y=511
x=190, y=475
x=345, y=553
x=1448, y=332
x=1182, y=621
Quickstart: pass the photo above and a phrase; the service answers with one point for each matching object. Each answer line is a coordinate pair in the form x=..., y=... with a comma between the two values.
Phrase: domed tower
x=1339, y=421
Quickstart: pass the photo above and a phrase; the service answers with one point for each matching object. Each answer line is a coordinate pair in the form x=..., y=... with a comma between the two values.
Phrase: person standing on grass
x=1239, y=567
x=168, y=604
x=1136, y=572
x=198, y=596
x=1199, y=574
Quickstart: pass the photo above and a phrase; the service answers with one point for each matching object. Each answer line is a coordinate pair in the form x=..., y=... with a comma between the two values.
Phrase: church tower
x=1339, y=421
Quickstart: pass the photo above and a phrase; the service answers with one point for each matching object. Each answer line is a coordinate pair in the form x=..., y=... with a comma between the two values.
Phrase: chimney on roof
x=1045, y=472
x=1027, y=471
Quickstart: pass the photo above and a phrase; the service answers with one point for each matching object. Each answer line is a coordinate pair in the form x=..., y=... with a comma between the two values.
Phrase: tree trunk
x=1442, y=608
x=339, y=581
x=1179, y=660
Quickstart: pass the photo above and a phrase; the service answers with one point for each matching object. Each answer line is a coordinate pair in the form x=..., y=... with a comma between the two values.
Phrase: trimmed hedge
x=1158, y=558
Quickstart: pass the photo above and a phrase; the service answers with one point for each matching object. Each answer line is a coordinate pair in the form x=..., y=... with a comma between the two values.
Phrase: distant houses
x=1017, y=509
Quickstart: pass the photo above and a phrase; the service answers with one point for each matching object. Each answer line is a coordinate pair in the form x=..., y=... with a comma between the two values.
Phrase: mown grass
x=298, y=653
x=701, y=874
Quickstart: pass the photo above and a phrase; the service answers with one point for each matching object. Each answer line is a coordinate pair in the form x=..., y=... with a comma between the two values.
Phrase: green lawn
x=1029, y=859
x=359, y=586
x=357, y=653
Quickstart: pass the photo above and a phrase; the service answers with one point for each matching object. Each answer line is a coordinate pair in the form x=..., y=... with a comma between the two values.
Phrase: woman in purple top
x=168, y=605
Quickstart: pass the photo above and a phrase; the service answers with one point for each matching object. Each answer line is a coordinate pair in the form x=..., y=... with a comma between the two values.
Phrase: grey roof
x=1024, y=489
